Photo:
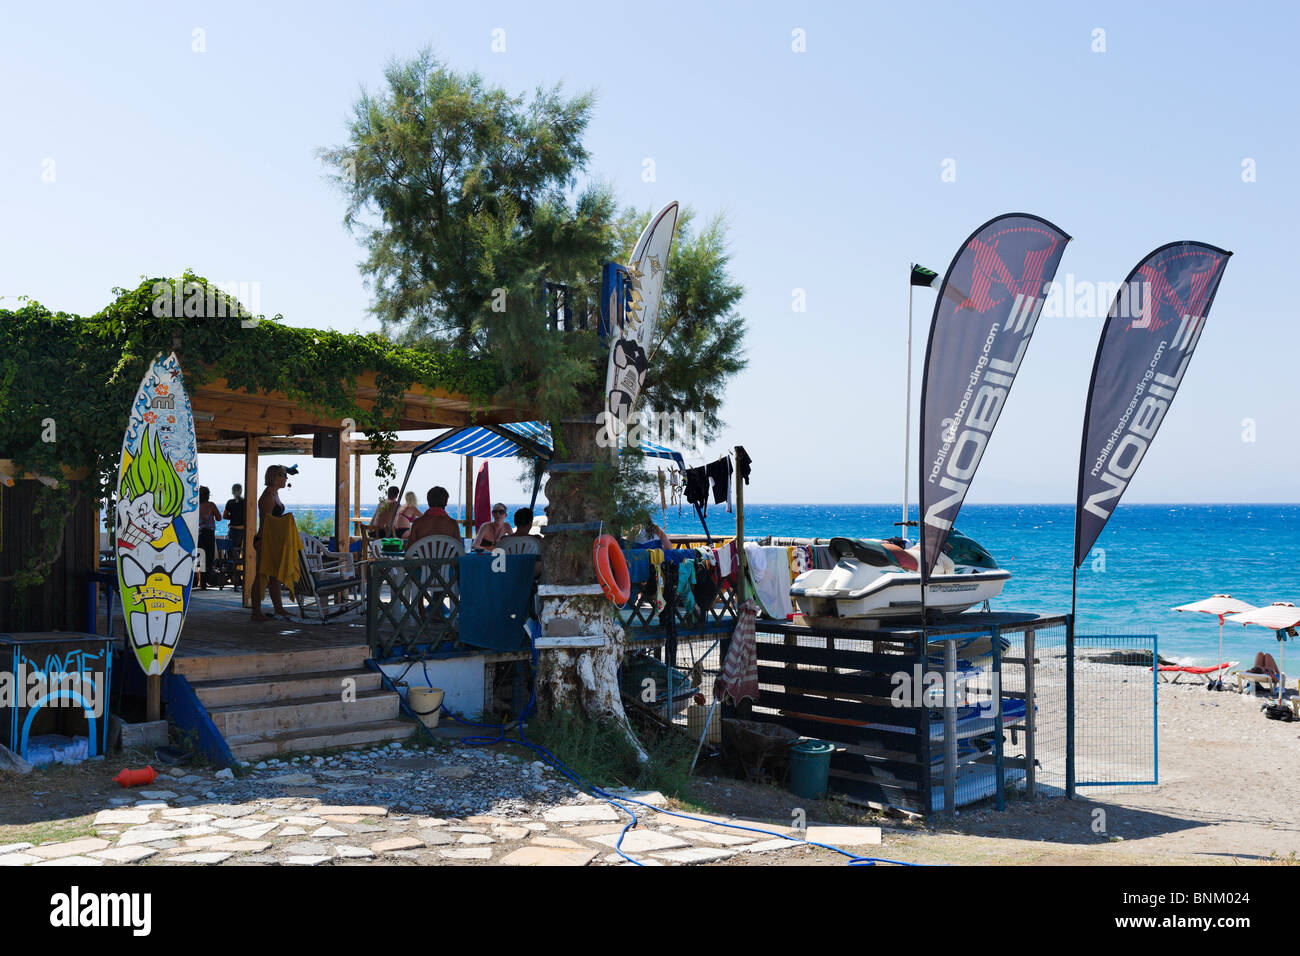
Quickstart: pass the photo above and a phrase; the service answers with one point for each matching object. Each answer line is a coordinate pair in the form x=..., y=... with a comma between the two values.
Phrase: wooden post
x=740, y=540
x=251, y=492
x=153, y=697
x=342, y=526
x=356, y=487
x=469, y=496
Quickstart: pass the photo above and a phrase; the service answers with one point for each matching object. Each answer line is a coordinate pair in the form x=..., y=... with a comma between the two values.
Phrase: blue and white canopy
x=508, y=440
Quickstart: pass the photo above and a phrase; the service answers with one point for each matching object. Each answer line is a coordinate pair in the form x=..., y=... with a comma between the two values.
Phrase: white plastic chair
x=433, y=546
x=520, y=544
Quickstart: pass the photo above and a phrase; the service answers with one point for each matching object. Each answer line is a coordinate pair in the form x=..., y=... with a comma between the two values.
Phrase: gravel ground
x=395, y=805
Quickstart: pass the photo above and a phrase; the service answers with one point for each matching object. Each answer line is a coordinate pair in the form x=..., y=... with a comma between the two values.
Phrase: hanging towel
x=738, y=678
x=686, y=587
x=770, y=569
x=726, y=559
x=656, y=556
x=277, y=552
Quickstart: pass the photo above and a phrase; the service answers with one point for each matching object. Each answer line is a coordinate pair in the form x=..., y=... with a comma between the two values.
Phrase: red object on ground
x=482, y=499
x=1194, y=670
x=611, y=569
x=135, y=778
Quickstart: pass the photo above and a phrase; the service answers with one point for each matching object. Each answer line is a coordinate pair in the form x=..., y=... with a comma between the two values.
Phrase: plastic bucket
x=696, y=715
x=810, y=767
x=426, y=702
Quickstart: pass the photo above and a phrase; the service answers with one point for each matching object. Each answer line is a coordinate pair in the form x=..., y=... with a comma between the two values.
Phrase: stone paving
x=399, y=807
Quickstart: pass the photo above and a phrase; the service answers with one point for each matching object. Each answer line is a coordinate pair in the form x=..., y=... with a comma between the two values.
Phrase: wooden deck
x=218, y=624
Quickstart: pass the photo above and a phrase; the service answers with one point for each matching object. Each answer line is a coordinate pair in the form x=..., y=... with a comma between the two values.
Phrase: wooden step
x=282, y=687
x=276, y=717
x=310, y=660
x=253, y=747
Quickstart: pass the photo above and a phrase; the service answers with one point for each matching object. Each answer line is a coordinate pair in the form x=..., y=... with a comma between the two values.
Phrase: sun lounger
x=1254, y=679
x=1208, y=674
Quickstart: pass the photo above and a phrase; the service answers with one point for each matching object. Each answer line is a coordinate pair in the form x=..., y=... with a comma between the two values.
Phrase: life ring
x=611, y=569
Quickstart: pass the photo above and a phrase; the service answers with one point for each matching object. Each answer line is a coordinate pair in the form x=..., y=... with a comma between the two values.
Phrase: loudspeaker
x=325, y=445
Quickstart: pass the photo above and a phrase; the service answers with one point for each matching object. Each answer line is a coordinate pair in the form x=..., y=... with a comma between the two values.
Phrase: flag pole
x=907, y=428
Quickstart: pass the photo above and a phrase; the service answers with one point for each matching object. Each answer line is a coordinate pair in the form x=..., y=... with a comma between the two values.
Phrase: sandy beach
x=1226, y=794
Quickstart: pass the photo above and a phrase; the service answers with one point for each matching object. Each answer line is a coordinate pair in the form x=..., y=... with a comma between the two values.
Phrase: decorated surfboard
x=632, y=337
x=156, y=519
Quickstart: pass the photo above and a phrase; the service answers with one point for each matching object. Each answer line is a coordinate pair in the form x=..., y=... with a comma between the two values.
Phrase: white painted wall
x=461, y=679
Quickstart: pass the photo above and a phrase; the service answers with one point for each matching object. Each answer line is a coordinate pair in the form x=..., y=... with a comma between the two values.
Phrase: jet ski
x=874, y=579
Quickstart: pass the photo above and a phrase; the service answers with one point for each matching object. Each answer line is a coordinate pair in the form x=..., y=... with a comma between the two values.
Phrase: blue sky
x=827, y=164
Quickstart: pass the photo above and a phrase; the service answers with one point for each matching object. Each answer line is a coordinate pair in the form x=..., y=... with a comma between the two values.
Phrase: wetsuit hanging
x=697, y=493
x=743, y=461
x=720, y=475
x=668, y=615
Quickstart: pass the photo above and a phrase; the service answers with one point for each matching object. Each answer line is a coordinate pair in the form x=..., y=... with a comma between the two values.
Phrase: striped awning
x=507, y=441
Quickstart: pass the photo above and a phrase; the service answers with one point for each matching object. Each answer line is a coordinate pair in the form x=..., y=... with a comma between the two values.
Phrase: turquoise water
x=1149, y=559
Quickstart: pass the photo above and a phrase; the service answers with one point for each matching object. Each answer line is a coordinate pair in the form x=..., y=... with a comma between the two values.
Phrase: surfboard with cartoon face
x=156, y=517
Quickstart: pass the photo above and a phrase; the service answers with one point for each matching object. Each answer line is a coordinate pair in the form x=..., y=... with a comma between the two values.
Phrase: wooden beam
x=342, y=529
x=269, y=444
x=420, y=409
x=356, y=484
x=251, y=486
x=469, y=496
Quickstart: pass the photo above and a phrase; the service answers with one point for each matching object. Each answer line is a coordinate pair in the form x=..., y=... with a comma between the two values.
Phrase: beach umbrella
x=1220, y=605
x=482, y=499
x=1280, y=616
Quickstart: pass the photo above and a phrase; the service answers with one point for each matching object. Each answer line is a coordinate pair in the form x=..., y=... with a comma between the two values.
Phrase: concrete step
x=276, y=717
x=228, y=666
x=253, y=747
x=283, y=687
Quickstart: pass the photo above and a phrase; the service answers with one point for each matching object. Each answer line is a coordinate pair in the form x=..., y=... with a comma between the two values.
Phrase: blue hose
x=616, y=802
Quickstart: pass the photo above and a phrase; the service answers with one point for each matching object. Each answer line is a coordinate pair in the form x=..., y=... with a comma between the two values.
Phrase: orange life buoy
x=611, y=569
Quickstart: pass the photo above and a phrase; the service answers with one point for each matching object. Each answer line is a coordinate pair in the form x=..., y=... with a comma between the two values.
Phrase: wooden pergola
x=232, y=421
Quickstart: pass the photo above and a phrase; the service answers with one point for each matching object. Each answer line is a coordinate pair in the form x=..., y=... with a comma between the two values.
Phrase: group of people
x=209, y=515
x=406, y=522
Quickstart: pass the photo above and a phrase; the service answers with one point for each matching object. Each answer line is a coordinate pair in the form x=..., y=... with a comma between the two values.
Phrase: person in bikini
x=494, y=530
x=269, y=505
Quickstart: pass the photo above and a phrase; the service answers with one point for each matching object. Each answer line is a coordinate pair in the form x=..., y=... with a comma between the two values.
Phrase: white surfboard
x=156, y=518
x=631, y=342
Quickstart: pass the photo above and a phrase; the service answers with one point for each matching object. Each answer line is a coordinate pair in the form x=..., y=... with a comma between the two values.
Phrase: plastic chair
x=433, y=546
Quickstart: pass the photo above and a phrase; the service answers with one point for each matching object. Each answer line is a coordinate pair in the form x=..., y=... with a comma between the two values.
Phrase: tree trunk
x=579, y=680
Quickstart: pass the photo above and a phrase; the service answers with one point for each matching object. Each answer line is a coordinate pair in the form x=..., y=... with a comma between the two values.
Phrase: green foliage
x=66, y=381
x=467, y=199
x=601, y=754
x=461, y=195
x=316, y=525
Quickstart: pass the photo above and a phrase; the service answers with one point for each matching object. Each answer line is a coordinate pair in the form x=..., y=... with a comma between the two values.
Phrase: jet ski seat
x=868, y=552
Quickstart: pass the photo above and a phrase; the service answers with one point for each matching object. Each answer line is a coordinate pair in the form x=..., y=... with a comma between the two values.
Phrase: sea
x=1149, y=559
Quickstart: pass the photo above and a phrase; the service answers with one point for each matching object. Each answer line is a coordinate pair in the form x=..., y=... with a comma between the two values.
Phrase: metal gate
x=1111, y=711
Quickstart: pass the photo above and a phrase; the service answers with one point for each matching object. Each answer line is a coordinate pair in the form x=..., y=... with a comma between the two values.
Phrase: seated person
x=524, y=521
x=652, y=537
x=494, y=530
x=435, y=520
x=406, y=517
x=385, y=514
x=1266, y=664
